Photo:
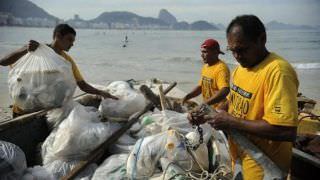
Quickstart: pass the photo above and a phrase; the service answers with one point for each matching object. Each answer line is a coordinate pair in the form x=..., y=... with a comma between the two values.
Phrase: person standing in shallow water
x=263, y=98
x=63, y=39
x=215, y=76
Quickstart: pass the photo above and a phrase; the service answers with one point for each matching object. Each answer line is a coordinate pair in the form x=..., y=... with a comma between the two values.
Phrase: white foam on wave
x=306, y=65
x=295, y=65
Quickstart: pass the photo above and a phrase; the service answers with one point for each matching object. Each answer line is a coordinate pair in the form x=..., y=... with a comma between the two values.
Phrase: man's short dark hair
x=251, y=26
x=63, y=29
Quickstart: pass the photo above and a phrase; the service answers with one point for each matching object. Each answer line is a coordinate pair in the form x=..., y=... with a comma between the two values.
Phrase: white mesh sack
x=37, y=173
x=163, y=121
x=76, y=136
x=142, y=161
x=12, y=161
x=59, y=168
x=113, y=168
x=41, y=79
x=130, y=101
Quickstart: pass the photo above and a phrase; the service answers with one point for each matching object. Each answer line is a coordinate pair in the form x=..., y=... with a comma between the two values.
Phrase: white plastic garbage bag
x=130, y=101
x=37, y=173
x=144, y=157
x=60, y=168
x=113, y=168
x=201, y=154
x=55, y=116
x=124, y=145
x=76, y=136
x=176, y=150
x=12, y=161
x=41, y=79
x=171, y=170
x=163, y=121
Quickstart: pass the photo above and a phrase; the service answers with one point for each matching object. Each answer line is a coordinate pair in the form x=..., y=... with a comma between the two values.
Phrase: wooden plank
x=306, y=157
x=148, y=94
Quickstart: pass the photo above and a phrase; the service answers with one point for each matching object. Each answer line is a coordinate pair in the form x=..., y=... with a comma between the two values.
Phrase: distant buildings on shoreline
x=25, y=13
x=7, y=19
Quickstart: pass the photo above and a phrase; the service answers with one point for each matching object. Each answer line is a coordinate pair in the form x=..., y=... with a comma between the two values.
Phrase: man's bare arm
x=219, y=96
x=84, y=86
x=16, y=55
x=261, y=128
x=194, y=93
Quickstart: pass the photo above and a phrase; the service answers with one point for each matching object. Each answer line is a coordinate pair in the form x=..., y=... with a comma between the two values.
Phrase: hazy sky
x=217, y=11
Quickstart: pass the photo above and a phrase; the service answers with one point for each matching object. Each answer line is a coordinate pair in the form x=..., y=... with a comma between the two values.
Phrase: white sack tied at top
x=76, y=136
x=130, y=101
x=41, y=79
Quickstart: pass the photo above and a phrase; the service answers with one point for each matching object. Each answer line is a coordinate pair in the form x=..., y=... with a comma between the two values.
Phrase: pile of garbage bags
x=170, y=145
x=161, y=145
x=41, y=79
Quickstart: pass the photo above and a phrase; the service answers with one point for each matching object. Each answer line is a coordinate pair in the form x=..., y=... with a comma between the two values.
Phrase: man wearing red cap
x=215, y=75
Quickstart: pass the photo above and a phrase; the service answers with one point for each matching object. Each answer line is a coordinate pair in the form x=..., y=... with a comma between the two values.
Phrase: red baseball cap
x=211, y=44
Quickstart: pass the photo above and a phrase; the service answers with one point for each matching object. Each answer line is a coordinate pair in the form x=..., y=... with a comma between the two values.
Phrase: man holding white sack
x=63, y=39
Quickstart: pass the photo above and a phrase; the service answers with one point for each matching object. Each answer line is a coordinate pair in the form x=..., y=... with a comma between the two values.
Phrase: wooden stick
x=98, y=152
x=162, y=98
x=148, y=94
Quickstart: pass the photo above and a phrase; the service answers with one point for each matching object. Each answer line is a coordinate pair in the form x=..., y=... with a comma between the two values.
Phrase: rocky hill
x=127, y=18
x=26, y=13
x=202, y=25
x=167, y=17
x=275, y=25
x=24, y=9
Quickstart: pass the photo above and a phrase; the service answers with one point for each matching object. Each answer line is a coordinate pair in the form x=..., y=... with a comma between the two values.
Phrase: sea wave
x=306, y=65
x=295, y=65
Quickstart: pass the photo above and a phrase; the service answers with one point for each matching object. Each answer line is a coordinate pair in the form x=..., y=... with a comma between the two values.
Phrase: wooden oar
x=99, y=151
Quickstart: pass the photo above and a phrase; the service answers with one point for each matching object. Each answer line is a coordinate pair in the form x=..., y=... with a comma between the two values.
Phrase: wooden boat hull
x=28, y=136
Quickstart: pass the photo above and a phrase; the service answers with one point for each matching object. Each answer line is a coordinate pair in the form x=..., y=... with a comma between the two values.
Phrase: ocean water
x=167, y=55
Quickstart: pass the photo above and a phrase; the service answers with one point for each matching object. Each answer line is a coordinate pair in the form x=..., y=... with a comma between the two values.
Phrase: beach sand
x=5, y=113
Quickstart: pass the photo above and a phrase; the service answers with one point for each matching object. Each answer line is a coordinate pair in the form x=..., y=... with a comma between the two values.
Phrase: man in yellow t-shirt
x=63, y=39
x=262, y=102
x=215, y=75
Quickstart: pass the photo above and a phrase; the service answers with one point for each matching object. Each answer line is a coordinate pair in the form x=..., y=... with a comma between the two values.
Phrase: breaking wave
x=306, y=65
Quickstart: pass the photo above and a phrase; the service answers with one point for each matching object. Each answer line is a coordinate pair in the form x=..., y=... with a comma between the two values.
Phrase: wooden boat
x=30, y=130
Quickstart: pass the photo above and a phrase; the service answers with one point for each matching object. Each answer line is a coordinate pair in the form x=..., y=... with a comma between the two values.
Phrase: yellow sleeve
x=232, y=75
x=200, y=80
x=280, y=101
x=223, y=78
x=76, y=73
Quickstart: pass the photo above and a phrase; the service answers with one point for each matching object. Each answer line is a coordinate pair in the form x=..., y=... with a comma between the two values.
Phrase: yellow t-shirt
x=214, y=78
x=267, y=91
x=76, y=73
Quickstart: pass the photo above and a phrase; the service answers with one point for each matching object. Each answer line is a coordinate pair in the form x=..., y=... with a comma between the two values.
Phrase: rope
x=220, y=171
x=136, y=160
x=309, y=115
